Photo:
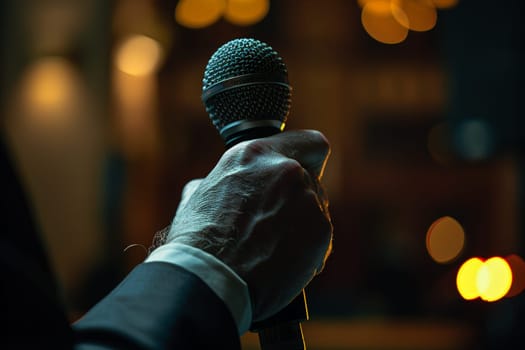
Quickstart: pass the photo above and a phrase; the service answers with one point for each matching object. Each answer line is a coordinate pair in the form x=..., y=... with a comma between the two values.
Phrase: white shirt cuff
x=217, y=275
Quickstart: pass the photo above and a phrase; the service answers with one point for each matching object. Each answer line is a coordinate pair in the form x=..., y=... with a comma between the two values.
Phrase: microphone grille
x=262, y=92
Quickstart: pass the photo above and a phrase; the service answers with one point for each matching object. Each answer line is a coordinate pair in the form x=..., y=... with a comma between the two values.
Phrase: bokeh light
x=494, y=279
x=417, y=15
x=138, y=55
x=445, y=239
x=517, y=265
x=474, y=139
x=490, y=280
x=466, y=279
x=246, y=12
x=381, y=20
x=50, y=87
x=199, y=13
x=421, y=14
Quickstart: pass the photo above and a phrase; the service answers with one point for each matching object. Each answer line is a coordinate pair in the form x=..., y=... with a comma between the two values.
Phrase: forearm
x=158, y=305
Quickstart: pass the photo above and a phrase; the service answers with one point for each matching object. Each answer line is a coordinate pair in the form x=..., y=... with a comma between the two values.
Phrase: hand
x=262, y=212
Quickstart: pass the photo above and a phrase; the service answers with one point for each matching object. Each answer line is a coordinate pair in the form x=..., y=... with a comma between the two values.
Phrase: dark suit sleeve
x=158, y=306
x=31, y=312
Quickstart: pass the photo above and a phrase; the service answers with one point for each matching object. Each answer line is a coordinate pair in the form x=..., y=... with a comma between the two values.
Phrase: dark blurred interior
x=425, y=128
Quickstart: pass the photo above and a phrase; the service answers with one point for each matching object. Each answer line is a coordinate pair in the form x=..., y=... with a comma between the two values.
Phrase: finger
x=322, y=203
x=321, y=266
x=309, y=147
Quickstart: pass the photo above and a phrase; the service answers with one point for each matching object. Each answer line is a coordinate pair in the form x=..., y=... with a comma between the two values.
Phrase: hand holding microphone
x=258, y=212
x=261, y=210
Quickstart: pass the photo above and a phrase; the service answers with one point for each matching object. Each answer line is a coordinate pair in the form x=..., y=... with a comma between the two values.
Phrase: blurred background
x=422, y=103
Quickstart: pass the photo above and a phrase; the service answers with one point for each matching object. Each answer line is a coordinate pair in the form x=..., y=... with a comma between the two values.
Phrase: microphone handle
x=283, y=330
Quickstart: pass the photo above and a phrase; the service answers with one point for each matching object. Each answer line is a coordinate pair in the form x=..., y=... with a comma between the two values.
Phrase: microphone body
x=247, y=96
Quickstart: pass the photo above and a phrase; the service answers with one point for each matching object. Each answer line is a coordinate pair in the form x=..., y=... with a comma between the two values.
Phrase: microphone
x=247, y=96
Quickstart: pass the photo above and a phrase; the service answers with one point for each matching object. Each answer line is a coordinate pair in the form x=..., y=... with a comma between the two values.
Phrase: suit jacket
x=157, y=306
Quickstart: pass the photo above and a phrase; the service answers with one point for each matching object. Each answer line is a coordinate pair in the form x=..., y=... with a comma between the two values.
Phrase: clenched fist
x=262, y=212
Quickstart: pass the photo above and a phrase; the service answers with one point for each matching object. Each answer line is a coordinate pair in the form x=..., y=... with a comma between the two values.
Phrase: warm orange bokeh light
x=466, y=280
x=445, y=239
x=199, y=13
x=494, y=279
x=138, y=55
x=381, y=21
x=49, y=81
x=50, y=89
x=246, y=12
x=421, y=14
x=517, y=265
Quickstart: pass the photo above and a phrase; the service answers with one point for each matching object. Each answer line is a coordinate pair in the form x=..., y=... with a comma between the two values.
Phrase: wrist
x=226, y=284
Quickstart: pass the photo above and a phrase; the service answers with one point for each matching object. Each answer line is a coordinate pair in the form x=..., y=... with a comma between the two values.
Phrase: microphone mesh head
x=255, y=101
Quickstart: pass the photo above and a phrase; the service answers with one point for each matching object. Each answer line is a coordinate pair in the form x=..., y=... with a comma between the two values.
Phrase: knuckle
x=291, y=170
x=290, y=166
x=246, y=152
x=321, y=139
x=318, y=215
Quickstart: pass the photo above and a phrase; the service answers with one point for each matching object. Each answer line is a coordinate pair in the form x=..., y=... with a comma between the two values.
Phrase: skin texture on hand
x=262, y=211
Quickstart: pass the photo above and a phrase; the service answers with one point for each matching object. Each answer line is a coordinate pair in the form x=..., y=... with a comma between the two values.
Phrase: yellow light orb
x=138, y=55
x=421, y=14
x=199, y=13
x=467, y=277
x=246, y=12
x=381, y=21
x=494, y=279
x=445, y=239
